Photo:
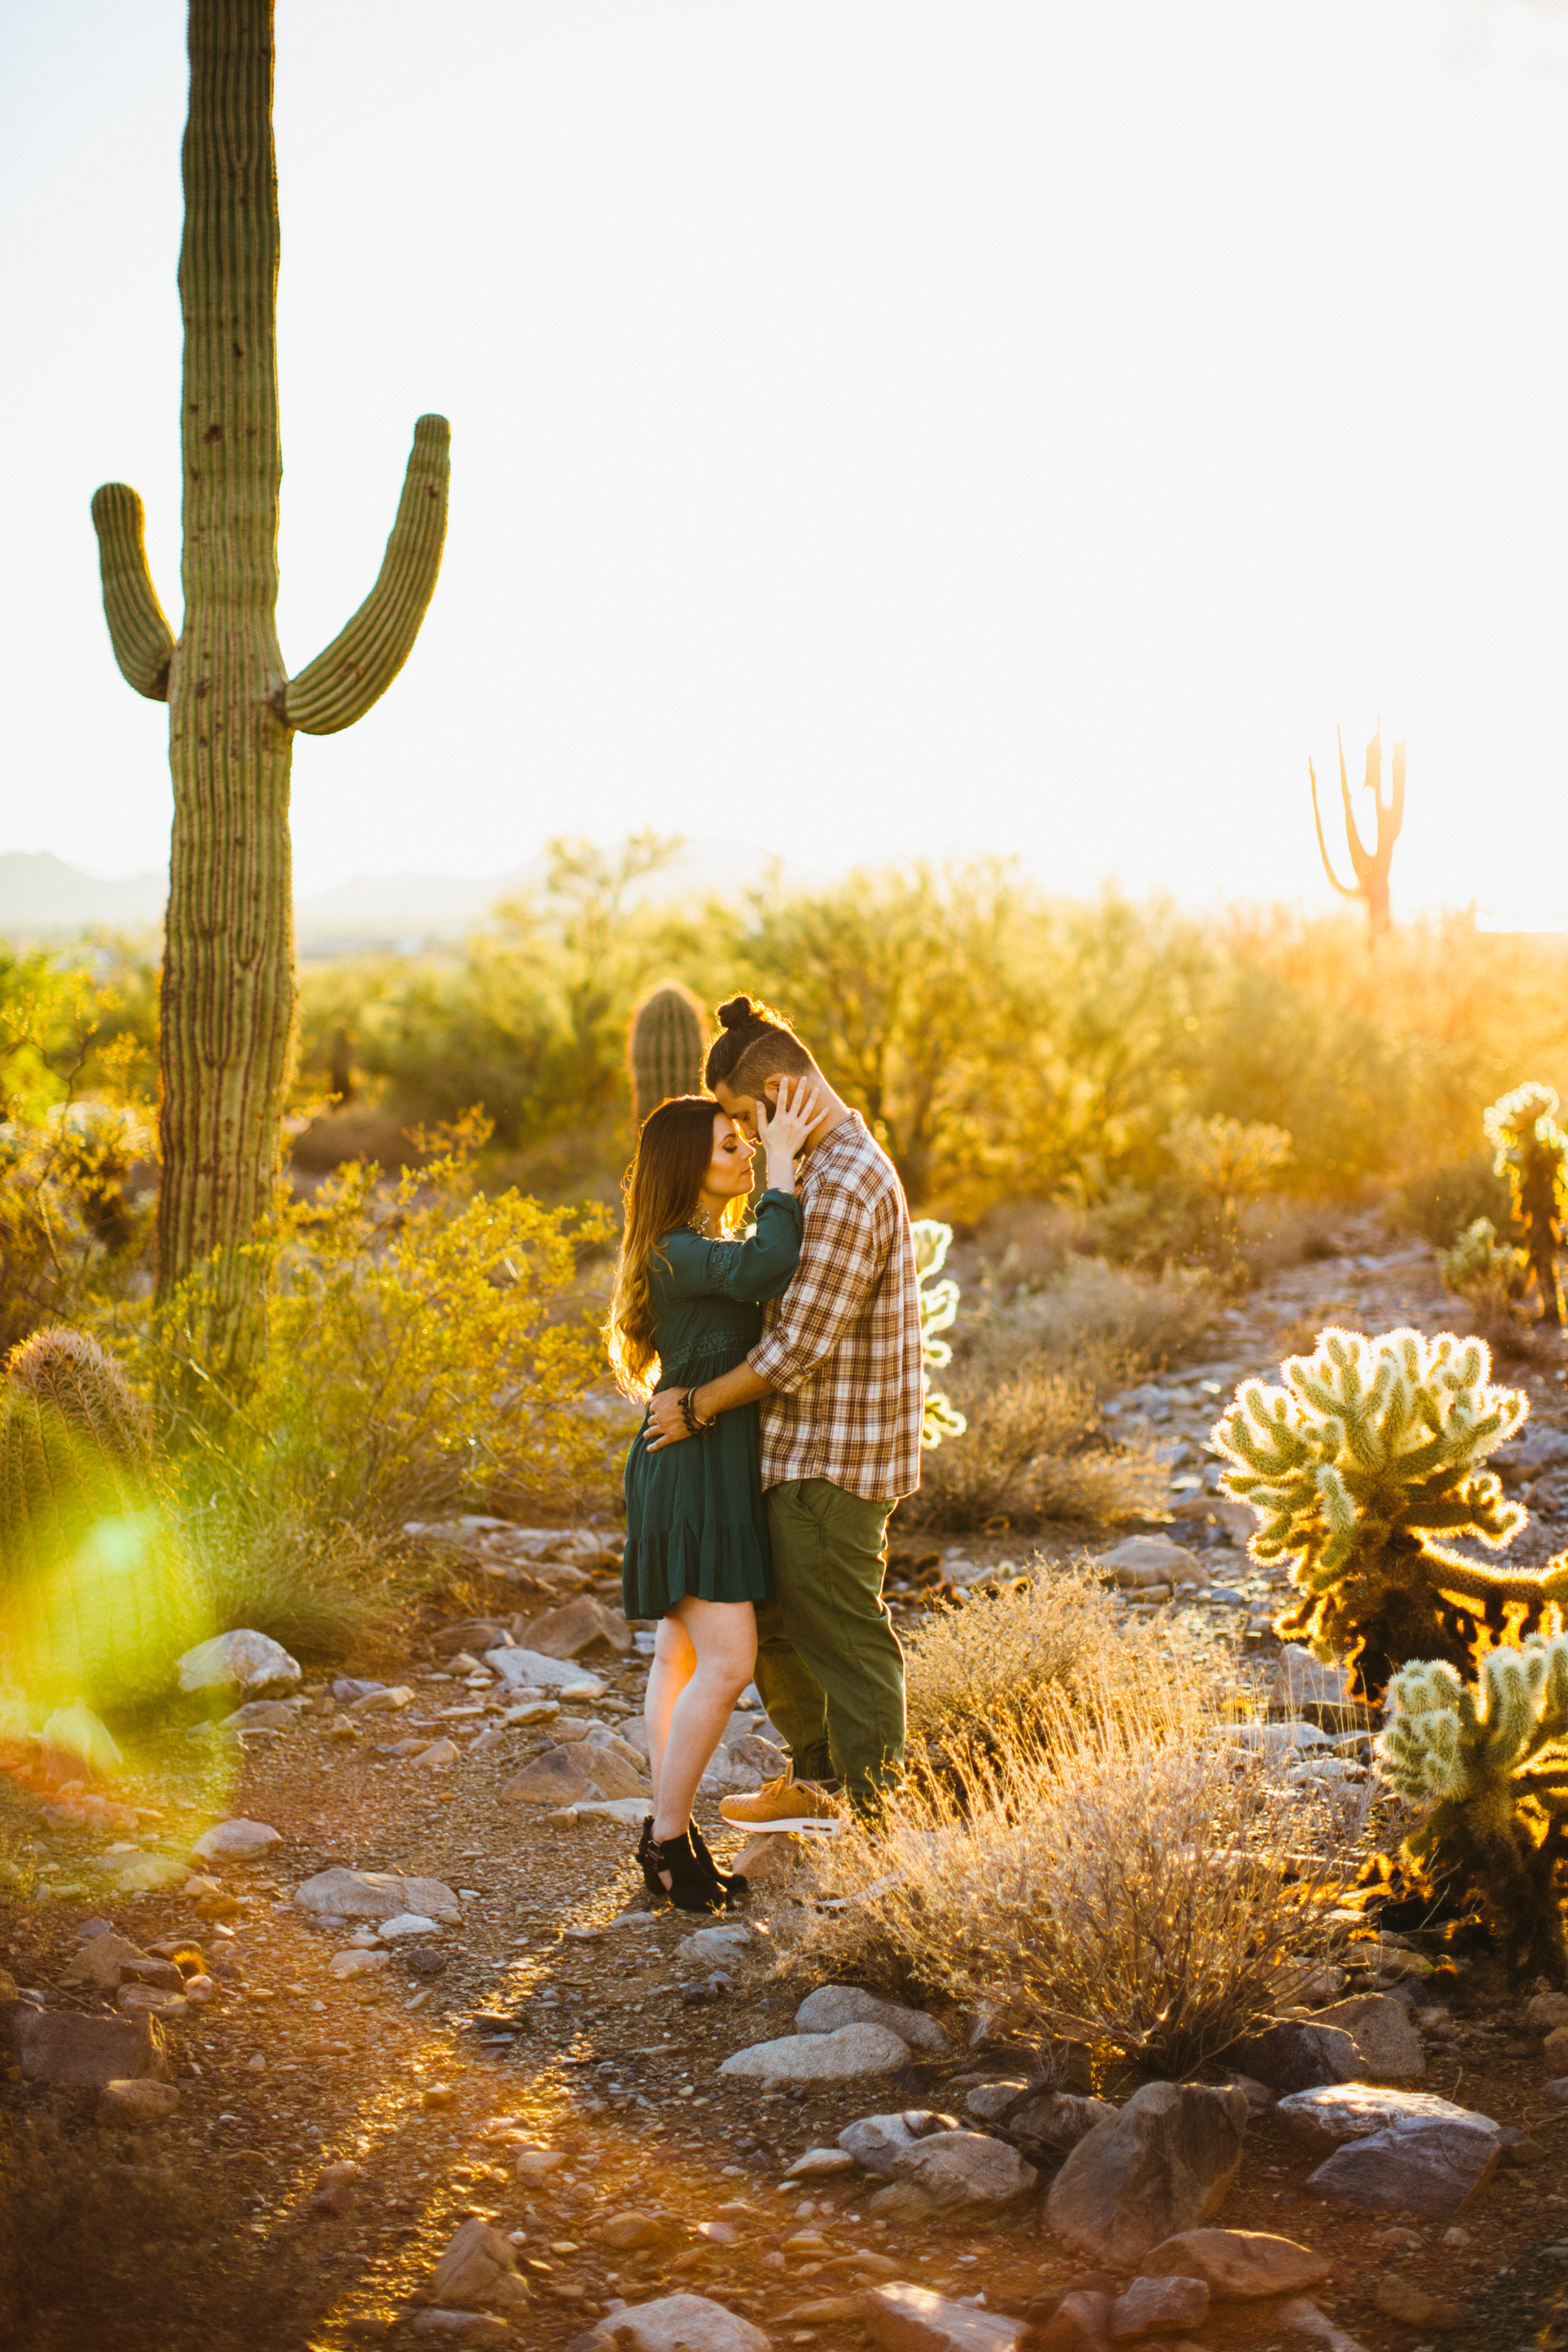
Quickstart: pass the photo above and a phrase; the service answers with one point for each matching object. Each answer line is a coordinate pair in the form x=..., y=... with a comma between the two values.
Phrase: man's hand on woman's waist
x=711, y=1398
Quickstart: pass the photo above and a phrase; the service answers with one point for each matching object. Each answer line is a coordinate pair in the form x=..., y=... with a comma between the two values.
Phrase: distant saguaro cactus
x=1372, y=1450
x=228, y=960
x=1533, y=1154
x=1371, y=865
x=98, y=1597
x=666, y=1049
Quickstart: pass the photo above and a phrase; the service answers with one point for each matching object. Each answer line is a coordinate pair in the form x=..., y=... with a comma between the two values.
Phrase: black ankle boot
x=734, y=1888
x=650, y=1878
x=694, y=1886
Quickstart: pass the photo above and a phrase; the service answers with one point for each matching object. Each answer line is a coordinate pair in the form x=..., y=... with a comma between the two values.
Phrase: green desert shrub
x=1488, y=1763
x=77, y=1189
x=1373, y=1451
x=1441, y=1203
x=429, y=1350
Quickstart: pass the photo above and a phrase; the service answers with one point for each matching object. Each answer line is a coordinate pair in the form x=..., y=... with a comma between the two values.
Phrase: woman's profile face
x=730, y=1169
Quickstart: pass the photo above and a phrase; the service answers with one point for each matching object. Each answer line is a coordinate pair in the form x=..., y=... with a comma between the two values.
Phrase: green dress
x=694, y=1511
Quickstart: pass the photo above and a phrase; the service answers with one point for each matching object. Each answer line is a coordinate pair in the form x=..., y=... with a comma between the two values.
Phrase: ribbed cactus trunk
x=229, y=962
x=228, y=956
x=665, y=1050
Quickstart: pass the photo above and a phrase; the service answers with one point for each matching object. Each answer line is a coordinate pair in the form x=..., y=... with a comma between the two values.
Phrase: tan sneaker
x=796, y=1806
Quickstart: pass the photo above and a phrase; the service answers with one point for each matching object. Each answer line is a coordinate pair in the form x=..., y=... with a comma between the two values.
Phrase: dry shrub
x=1100, y=1322
x=106, y=2241
x=1112, y=1880
x=327, y=1593
x=1031, y=1453
x=997, y=1662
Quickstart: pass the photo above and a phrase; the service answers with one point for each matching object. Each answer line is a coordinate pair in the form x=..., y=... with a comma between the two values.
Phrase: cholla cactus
x=1228, y=1157
x=1481, y=1267
x=665, y=1050
x=1533, y=1154
x=1491, y=1762
x=939, y=1312
x=97, y=1598
x=1371, y=1449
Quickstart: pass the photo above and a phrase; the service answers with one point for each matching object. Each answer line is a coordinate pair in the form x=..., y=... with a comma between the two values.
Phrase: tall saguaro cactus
x=1371, y=866
x=228, y=960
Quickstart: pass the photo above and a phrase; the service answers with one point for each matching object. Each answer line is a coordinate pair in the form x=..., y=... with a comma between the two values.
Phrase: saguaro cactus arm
x=363, y=659
x=1371, y=866
x=142, y=640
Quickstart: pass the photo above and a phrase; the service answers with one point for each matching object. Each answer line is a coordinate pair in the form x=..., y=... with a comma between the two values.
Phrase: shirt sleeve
x=749, y=1270
x=843, y=1257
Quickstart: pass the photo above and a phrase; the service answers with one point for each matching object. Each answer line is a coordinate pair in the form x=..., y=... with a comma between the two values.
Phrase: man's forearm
x=741, y=1386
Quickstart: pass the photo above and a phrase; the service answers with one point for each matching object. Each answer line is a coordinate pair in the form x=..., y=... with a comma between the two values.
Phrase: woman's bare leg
x=674, y=1664
x=723, y=1636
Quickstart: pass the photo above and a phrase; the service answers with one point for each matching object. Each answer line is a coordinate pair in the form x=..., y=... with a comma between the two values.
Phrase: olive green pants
x=828, y=1663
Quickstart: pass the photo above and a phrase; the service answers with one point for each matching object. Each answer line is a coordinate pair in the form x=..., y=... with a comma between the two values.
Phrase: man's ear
x=771, y=1090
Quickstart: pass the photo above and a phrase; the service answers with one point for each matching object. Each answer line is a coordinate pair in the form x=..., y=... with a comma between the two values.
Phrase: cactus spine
x=1533, y=1154
x=1371, y=1449
x=1492, y=1763
x=1371, y=865
x=97, y=1596
x=665, y=1053
x=229, y=962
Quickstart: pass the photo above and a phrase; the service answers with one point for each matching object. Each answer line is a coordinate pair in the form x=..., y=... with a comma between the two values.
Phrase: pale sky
x=880, y=426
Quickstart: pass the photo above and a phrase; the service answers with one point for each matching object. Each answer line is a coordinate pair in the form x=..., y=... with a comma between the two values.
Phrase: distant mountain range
x=44, y=899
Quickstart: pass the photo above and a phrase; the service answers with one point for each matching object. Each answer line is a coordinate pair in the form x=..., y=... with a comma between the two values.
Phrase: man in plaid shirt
x=838, y=1369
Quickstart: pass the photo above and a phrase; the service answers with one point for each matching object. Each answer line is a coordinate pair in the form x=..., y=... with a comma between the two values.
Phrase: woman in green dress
x=687, y=1307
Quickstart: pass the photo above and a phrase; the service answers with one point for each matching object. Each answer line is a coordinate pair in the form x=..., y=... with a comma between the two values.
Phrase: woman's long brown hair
x=661, y=1187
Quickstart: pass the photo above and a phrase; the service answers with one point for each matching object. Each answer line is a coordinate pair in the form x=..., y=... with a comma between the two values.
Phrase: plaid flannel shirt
x=841, y=1348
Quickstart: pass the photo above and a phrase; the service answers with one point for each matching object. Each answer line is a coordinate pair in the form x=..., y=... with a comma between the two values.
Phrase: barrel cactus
x=668, y=1036
x=1372, y=1450
x=98, y=1596
x=228, y=963
x=1533, y=1154
x=1489, y=1761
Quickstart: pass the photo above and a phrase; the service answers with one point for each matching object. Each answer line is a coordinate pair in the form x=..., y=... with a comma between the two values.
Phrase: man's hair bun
x=740, y=1013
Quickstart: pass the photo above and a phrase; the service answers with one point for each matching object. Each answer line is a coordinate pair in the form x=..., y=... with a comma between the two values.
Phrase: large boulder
x=1164, y=2164
x=899, y=2318
x=1170, y=2303
x=532, y=1670
x=953, y=2172
x=1325, y=2119
x=846, y=2056
x=477, y=2269
x=561, y=1775
x=1382, y=2030
x=1424, y=2164
x=1238, y=2266
x=877, y=2142
x=831, y=2006
x=236, y=1840
x=342, y=1894
x=70, y=2051
x=1291, y=2054
x=583, y=1628
x=681, y=2323
x=1141, y=1562
x=1057, y=2119
x=251, y=1664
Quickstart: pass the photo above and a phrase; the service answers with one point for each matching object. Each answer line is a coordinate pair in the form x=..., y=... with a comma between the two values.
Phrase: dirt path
x=600, y=2041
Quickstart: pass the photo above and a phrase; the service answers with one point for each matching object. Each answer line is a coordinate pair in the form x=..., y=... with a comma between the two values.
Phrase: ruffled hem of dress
x=685, y=1562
